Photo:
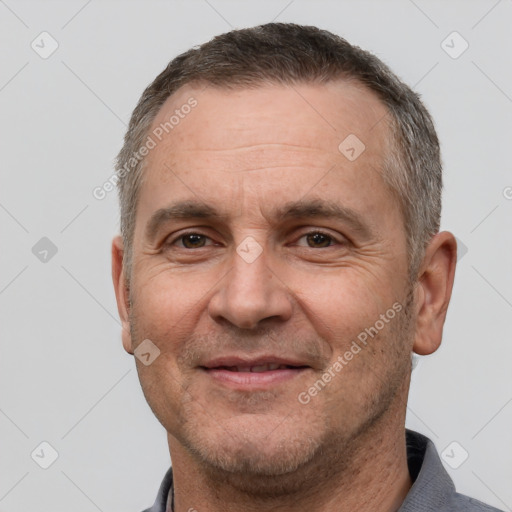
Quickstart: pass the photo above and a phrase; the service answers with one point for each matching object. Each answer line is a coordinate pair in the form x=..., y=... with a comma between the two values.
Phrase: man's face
x=276, y=277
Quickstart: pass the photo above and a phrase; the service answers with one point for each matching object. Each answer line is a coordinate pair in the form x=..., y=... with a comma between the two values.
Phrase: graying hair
x=287, y=54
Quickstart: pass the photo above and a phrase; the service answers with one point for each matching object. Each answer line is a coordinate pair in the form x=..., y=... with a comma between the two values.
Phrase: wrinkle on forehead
x=289, y=114
x=252, y=158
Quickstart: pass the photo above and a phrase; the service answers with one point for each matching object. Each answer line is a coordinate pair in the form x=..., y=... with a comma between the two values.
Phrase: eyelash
x=313, y=232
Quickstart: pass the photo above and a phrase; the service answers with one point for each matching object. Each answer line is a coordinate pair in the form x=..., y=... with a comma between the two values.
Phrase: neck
x=373, y=476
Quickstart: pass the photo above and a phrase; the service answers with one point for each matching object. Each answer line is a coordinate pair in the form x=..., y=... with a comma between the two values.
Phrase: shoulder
x=463, y=502
x=433, y=489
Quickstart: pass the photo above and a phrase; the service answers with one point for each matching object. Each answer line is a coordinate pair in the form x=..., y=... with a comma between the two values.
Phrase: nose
x=250, y=295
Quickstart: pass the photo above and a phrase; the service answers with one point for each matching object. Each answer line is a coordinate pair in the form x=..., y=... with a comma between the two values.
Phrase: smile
x=254, y=377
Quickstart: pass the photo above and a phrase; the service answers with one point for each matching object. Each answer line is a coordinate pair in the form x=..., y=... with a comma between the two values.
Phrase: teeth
x=258, y=368
x=264, y=367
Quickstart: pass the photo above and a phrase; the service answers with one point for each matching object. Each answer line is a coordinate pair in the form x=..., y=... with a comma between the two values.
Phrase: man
x=279, y=263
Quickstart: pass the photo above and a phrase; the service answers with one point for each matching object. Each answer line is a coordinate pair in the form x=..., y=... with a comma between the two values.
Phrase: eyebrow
x=301, y=209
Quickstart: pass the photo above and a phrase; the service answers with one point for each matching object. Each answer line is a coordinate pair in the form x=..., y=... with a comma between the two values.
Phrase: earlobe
x=121, y=291
x=434, y=291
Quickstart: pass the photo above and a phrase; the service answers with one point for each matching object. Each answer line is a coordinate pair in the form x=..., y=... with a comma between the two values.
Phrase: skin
x=247, y=152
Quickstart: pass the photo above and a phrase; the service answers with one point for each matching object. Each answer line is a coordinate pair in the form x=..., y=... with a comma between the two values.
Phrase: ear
x=122, y=292
x=433, y=292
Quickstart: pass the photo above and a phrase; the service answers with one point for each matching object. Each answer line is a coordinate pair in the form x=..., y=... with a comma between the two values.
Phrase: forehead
x=306, y=116
x=268, y=144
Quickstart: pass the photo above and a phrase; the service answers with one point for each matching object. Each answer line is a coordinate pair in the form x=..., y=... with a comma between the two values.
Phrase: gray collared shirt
x=432, y=490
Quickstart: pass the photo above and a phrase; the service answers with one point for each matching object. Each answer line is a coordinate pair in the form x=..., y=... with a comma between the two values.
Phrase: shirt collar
x=432, y=487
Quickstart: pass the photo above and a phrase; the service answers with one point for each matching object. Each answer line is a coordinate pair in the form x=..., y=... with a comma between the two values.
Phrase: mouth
x=269, y=367
x=255, y=374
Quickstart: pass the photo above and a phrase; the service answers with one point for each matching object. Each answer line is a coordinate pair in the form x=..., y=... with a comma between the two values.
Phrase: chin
x=253, y=444
x=264, y=468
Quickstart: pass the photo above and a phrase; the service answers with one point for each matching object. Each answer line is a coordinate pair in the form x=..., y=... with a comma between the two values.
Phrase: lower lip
x=248, y=380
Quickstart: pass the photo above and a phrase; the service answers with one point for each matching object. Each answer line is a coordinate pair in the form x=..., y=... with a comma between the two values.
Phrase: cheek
x=166, y=310
x=156, y=317
x=164, y=392
x=343, y=303
x=166, y=301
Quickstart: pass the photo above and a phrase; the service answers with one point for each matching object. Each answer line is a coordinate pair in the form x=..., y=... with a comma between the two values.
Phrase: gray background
x=64, y=377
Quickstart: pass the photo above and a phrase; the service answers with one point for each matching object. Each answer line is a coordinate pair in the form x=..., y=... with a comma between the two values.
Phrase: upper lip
x=254, y=361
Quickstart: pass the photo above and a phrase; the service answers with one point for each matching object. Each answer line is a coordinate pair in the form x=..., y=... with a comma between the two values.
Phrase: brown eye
x=318, y=240
x=191, y=241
